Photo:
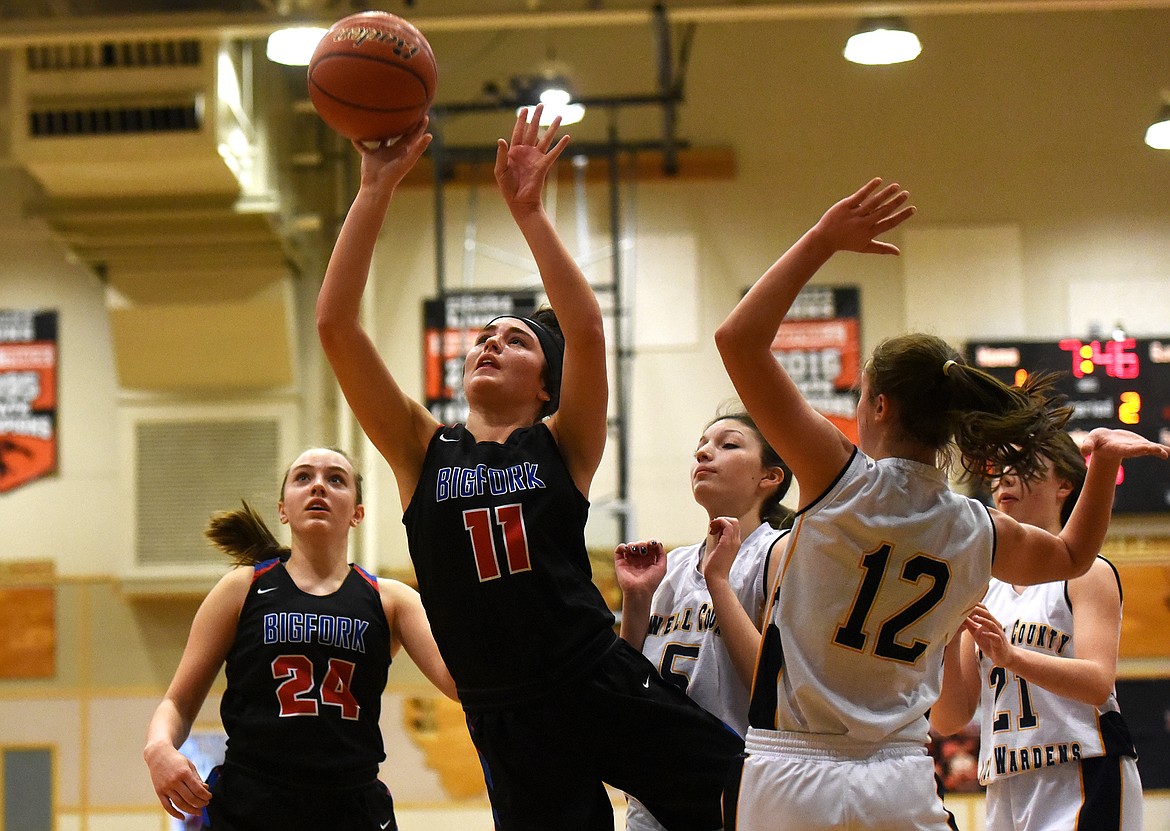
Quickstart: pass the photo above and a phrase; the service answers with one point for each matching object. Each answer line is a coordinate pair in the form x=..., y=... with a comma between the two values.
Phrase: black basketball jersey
x=305, y=678
x=497, y=536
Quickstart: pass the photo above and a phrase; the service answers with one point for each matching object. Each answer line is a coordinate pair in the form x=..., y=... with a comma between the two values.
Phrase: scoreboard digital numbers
x=1122, y=383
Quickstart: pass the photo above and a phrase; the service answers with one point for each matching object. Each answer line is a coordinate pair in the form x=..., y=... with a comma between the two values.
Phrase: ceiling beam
x=41, y=31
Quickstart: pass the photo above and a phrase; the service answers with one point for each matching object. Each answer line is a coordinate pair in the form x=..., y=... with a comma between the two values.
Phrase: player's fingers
x=858, y=199
x=559, y=148
x=874, y=205
x=894, y=220
x=546, y=138
x=532, y=133
x=501, y=157
x=521, y=125
x=169, y=808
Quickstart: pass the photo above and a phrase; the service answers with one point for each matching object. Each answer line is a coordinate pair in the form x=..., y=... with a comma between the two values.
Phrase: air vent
x=100, y=121
x=186, y=470
x=113, y=55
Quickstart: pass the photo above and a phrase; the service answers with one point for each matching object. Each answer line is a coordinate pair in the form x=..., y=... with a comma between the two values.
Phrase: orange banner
x=28, y=396
x=819, y=345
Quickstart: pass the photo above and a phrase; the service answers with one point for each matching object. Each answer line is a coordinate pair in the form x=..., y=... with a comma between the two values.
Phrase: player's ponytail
x=1001, y=427
x=243, y=536
x=944, y=401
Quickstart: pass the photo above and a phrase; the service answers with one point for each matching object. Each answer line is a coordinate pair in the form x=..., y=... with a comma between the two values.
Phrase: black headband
x=554, y=358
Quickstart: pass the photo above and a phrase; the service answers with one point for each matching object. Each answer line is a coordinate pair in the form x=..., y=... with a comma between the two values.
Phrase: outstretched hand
x=386, y=165
x=639, y=567
x=522, y=164
x=854, y=222
x=1121, y=444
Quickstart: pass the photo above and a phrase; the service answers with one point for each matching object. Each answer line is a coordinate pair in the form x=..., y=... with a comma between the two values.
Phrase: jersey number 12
x=852, y=635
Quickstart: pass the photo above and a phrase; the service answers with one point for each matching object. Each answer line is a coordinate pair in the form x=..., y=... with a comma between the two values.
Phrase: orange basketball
x=372, y=76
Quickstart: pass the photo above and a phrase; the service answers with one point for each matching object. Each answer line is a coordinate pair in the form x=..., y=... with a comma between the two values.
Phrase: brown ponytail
x=243, y=536
x=942, y=400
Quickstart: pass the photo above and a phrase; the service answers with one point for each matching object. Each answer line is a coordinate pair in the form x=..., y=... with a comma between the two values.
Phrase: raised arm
x=812, y=446
x=176, y=781
x=1026, y=555
x=410, y=628
x=579, y=425
x=740, y=636
x=397, y=425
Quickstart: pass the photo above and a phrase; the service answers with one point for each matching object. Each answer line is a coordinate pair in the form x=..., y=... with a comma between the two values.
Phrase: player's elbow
x=726, y=338
x=331, y=328
x=1098, y=688
x=1079, y=565
x=590, y=334
x=946, y=724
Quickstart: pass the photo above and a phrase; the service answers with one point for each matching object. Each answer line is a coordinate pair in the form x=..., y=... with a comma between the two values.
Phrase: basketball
x=372, y=76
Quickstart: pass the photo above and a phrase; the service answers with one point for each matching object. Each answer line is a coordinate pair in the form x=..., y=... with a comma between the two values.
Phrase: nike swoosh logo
x=442, y=438
x=267, y=590
x=386, y=824
x=646, y=683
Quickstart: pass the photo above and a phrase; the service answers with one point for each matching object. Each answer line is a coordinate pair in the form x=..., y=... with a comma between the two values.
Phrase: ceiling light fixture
x=294, y=45
x=1158, y=133
x=554, y=93
x=882, y=40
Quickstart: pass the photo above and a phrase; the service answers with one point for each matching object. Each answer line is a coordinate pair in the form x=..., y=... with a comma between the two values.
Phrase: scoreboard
x=1122, y=383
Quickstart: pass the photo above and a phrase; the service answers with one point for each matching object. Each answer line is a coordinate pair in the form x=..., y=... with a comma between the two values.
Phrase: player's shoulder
x=230, y=591
x=1102, y=576
x=239, y=578
x=396, y=596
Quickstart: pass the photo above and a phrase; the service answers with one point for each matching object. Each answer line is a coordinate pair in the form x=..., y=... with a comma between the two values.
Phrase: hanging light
x=554, y=93
x=882, y=40
x=1158, y=133
x=294, y=45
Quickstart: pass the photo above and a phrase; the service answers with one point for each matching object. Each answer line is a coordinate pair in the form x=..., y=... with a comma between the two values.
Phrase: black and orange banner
x=28, y=396
x=450, y=326
x=819, y=345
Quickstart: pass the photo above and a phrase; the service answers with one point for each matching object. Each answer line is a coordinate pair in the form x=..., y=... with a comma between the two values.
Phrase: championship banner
x=450, y=326
x=819, y=346
x=28, y=396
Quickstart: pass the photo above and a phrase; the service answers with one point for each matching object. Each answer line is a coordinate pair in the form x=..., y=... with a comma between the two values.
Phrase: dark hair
x=1067, y=463
x=243, y=535
x=943, y=400
x=547, y=319
x=771, y=512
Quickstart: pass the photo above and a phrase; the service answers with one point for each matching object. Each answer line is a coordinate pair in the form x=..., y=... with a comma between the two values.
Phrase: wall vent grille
x=104, y=121
x=187, y=470
x=113, y=55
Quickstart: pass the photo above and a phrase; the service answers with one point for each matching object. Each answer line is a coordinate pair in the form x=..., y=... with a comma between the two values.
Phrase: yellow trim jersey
x=1024, y=727
x=880, y=572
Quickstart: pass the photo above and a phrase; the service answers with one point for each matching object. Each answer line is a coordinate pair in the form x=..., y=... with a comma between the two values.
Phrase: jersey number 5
x=677, y=664
x=852, y=635
x=295, y=693
x=510, y=518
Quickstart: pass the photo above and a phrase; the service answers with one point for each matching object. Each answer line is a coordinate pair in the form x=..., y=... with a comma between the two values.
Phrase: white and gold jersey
x=1025, y=727
x=879, y=574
